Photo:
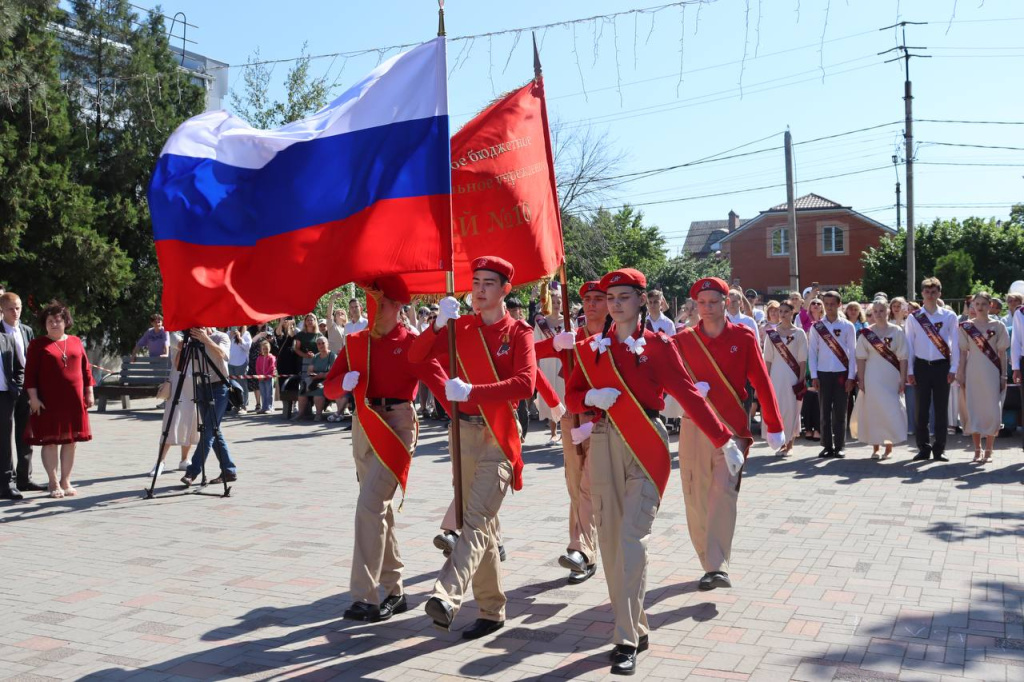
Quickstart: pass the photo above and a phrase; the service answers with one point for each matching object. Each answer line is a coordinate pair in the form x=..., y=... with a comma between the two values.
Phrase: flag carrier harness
x=193, y=354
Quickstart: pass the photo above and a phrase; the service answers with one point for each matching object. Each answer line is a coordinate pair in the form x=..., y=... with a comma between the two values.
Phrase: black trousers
x=932, y=388
x=523, y=413
x=832, y=396
x=24, y=450
x=6, y=426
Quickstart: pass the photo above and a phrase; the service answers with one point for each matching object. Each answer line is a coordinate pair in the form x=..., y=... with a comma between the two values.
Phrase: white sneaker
x=159, y=469
x=183, y=466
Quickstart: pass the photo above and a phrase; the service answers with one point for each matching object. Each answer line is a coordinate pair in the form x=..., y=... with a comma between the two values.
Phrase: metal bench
x=139, y=378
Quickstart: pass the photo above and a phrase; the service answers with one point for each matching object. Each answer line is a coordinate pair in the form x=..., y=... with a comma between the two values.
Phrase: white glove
x=557, y=412
x=349, y=381
x=564, y=340
x=776, y=440
x=602, y=398
x=703, y=388
x=457, y=390
x=733, y=457
x=447, y=309
x=582, y=433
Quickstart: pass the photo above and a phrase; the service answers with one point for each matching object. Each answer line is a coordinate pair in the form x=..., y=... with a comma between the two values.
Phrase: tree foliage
x=603, y=241
x=995, y=249
x=303, y=94
x=955, y=270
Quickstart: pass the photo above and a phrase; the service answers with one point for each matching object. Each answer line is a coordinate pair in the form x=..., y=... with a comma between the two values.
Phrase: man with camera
x=213, y=403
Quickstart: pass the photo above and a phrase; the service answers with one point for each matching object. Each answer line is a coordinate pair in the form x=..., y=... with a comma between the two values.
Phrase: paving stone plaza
x=842, y=569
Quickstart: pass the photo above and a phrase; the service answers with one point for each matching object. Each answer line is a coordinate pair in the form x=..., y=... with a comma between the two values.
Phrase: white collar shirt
x=19, y=340
x=663, y=324
x=820, y=357
x=921, y=346
x=746, y=320
x=353, y=327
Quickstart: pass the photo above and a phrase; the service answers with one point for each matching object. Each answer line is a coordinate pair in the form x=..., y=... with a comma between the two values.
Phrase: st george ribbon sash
x=628, y=417
x=830, y=340
x=800, y=388
x=982, y=343
x=931, y=332
x=386, y=444
x=879, y=345
x=722, y=396
x=500, y=416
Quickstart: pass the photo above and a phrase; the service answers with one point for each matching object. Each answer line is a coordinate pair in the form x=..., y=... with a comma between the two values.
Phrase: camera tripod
x=193, y=356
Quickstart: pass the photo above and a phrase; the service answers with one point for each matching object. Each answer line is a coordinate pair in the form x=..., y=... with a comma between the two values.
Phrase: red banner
x=504, y=200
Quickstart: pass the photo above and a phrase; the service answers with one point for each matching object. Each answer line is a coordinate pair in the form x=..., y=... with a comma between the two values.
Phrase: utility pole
x=794, y=260
x=895, y=160
x=908, y=135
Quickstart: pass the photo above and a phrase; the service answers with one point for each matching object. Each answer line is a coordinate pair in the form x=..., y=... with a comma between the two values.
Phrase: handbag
x=235, y=395
x=163, y=391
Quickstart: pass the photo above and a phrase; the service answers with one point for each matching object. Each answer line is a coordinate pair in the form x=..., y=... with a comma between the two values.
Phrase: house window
x=780, y=242
x=832, y=239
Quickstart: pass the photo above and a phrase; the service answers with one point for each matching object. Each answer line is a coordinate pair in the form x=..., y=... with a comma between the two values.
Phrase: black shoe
x=720, y=579
x=574, y=560
x=825, y=453
x=645, y=643
x=440, y=612
x=482, y=628
x=939, y=457
x=362, y=611
x=226, y=476
x=11, y=493
x=707, y=582
x=624, y=660
x=921, y=457
x=187, y=480
x=577, y=577
x=394, y=604
x=31, y=487
x=839, y=454
x=501, y=553
x=445, y=541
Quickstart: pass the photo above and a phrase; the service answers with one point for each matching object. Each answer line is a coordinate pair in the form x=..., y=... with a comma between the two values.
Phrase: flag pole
x=570, y=361
x=453, y=361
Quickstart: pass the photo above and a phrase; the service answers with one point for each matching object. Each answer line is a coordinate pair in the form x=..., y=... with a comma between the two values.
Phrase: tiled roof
x=809, y=202
x=699, y=236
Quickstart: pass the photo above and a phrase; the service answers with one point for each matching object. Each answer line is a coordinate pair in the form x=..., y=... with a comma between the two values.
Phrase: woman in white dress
x=880, y=415
x=184, y=431
x=982, y=373
x=550, y=367
x=785, y=356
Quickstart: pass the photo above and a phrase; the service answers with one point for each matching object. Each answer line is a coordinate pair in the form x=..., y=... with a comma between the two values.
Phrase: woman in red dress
x=59, y=383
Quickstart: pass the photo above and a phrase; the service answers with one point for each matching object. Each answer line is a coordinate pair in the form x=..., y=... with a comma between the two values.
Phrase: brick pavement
x=844, y=570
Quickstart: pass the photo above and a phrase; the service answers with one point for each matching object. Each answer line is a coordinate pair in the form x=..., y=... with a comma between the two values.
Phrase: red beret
x=709, y=284
x=626, y=277
x=494, y=264
x=590, y=286
x=390, y=287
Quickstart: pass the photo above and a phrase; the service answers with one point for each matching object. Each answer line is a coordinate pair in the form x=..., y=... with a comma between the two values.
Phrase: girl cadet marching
x=624, y=372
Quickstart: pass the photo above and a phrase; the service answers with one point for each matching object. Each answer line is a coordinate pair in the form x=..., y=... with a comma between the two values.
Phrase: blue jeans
x=210, y=435
x=242, y=383
x=267, y=393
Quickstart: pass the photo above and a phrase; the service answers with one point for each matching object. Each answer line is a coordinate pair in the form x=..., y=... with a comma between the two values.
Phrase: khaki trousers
x=710, y=494
x=582, y=525
x=376, y=562
x=625, y=503
x=448, y=522
x=486, y=476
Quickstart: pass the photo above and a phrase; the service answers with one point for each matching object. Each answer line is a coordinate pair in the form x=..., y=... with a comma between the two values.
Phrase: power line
x=974, y=146
x=947, y=120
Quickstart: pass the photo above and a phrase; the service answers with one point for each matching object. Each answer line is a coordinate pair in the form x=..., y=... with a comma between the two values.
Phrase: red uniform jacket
x=649, y=375
x=736, y=352
x=510, y=343
x=392, y=373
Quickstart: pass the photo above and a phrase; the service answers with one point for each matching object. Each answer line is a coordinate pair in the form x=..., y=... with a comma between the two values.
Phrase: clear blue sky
x=630, y=70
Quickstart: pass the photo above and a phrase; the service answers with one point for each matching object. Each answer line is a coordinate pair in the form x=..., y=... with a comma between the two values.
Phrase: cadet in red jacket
x=497, y=369
x=581, y=554
x=625, y=371
x=375, y=366
x=722, y=357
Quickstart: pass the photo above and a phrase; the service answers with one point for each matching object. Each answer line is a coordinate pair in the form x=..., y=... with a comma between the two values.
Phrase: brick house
x=704, y=236
x=831, y=240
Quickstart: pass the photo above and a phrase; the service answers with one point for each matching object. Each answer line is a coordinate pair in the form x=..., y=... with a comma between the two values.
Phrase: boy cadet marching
x=581, y=553
x=624, y=372
x=722, y=357
x=497, y=369
x=375, y=366
x=831, y=358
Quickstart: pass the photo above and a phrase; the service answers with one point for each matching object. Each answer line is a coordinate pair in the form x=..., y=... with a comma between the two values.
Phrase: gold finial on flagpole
x=537, y=71
x=440, y=18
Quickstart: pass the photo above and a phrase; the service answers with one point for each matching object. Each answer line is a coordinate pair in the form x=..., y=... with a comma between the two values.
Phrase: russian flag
x=256, y=224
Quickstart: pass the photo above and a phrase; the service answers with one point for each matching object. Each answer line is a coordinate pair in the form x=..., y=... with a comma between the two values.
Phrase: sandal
x=888, y=452
x=334, y=418
x=977, y=454
x=988, y=457
x=70, y=491
x=875, y=455
x=56, y=493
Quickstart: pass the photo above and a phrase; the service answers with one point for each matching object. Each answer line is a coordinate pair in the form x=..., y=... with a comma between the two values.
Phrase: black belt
x=471, y=418
x=385, y=402
x=931, y=362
